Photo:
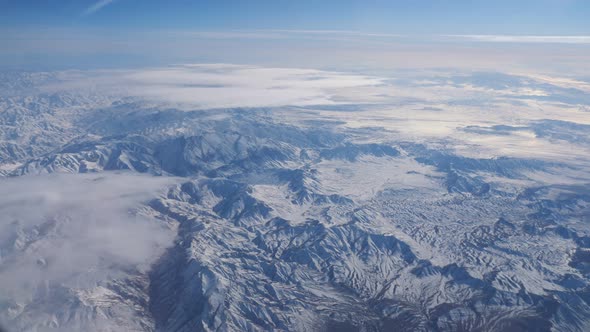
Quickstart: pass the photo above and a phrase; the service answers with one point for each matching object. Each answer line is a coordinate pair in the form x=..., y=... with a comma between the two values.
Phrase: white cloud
x=221, y=86
x=75, y=231
x=341, y=50
x=523, y=39
x=97, y=6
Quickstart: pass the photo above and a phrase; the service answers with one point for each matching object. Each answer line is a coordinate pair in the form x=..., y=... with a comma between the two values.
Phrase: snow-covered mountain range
x=232, y=198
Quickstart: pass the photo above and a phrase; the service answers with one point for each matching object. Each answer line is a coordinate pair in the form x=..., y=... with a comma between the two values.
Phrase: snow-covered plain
x=239, y=198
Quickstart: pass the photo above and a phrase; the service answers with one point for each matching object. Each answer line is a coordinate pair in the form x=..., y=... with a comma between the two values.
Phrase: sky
x=303, y=33
x=547, y=17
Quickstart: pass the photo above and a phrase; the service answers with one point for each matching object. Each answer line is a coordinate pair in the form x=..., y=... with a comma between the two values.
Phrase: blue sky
x=539, y=17
x=326, y=34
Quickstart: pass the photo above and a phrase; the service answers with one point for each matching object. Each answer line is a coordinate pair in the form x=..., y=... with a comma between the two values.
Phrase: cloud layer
x=220, y=85
x=75, y=231
x=85, y=48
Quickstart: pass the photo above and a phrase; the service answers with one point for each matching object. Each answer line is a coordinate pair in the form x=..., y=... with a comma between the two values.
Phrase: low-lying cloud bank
x=211, y=86
x=74, y=231
x=219, y=85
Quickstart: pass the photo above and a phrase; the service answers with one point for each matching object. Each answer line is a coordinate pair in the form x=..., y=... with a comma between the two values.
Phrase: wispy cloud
x=298, y=34
x=368, y=36
x=97, y=6
x=523, y=39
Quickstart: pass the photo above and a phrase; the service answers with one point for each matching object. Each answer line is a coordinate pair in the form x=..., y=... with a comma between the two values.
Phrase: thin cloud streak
x=314, y=34
x=97, y=6
x=523, y=39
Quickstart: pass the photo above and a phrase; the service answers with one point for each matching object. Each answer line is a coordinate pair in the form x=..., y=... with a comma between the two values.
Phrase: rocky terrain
x=462, y=214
